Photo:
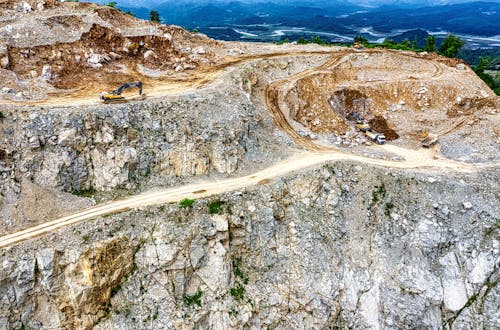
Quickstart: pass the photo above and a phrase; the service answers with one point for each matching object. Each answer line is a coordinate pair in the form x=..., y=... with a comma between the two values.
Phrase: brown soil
x=73, y=74
x=468, y=106
x=379, y=124
x=416, y=93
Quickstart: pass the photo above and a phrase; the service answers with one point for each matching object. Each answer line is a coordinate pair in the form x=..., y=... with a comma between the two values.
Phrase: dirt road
x=165, y=85
x=413, y=160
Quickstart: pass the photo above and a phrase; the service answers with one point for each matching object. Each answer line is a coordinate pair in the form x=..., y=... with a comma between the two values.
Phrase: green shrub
x=378, y=193
x=89, y=193
x=233, y=312
x=194, y=299
x=302, y=41
x=186, y=202
x=111, y=4
x=361, y=40
x=479, y=69
x=430, y=44
x=215, y=207
x=154, y=16
x=237, y=292
x=451, y=46
x=238, y=272
x=388, y=208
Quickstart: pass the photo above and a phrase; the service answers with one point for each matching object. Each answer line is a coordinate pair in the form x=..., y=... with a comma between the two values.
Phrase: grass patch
x=193, y=300
x=186, y=202
x=215, y=207
x=238, y=292
x=378, y=194
x=86, y=238
x=88, y=193
x=388, y=208
x=233, y=312
x=238, y=272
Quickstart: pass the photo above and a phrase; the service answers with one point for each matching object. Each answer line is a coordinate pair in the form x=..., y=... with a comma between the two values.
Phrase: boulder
x=199, y=50
x=4, y=62
x=148, y=54
x=40, y=6
x=95, y=59
x=167, y=36
x=47, y=73
x=114, y=56
x=26, y=7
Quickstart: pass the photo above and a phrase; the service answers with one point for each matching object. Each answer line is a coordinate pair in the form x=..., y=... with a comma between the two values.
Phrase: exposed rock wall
x=103, y=149
x=341, y=246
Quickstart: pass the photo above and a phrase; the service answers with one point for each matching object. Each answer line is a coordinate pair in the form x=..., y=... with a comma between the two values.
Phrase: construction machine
x=359, y=122
x=430, y=140
x=379, y=138
x=358, y=45
x=115, y=96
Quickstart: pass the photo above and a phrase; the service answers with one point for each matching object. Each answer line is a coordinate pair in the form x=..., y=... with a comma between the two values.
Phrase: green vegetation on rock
x=186, y=202
x=193, y=299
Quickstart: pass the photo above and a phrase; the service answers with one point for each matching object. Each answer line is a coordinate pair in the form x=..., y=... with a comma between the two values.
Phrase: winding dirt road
x=413, y=160
x=166, y=85
x=315, y=154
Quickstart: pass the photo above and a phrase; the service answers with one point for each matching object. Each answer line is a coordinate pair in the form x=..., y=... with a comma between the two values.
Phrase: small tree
x=361, y=40
x=406, y=43
x=316, y=40
x=451, y=46
x=430, y=44
x=111, y=4
x=154, y=16
x=302, y=41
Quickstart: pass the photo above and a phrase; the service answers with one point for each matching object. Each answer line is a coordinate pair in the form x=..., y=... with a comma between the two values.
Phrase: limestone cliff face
x=88, y=150
x=340, y=246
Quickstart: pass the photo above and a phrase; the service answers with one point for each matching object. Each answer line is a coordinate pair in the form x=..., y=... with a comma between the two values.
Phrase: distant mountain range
x=335, y=21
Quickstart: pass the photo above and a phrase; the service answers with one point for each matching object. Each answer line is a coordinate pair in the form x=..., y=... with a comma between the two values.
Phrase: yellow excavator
x=358, y=45
x=359, y=122
x=115, y=96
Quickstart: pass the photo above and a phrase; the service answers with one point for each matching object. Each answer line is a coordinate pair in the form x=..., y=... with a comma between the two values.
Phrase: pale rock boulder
x=454, y=290
x=167, y=36
x=47, y=73
x=4, y=56
x=200, y=50
x=26, y=7
x=52, y=165
x=148, y=54
x=186, y=161
x=215, y=273
x=111, y=168
x=223, y=157
x=4, y=62
x=67, y=136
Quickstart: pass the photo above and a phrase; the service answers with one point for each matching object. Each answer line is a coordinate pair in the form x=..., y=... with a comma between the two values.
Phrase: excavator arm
x=120, y=89
x=115, y=96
